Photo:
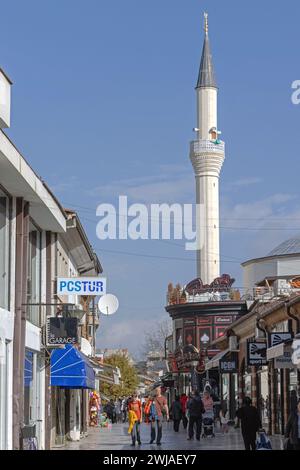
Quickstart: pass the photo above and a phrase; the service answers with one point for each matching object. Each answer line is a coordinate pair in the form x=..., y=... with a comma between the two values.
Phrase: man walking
x=250, y=423
x=196, y=409
x=176, y=413
x=159, y=408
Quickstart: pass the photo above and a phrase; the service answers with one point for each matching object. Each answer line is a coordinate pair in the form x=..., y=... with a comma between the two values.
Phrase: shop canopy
x=71, y=369
x=214, y=362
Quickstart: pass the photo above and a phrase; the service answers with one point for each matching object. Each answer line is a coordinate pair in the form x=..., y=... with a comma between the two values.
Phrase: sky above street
x=104, y=104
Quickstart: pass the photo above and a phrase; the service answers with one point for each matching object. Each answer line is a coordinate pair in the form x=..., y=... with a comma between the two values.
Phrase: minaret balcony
x=207, y=146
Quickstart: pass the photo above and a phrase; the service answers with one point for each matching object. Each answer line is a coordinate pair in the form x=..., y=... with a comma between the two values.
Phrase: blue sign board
x=81, y=286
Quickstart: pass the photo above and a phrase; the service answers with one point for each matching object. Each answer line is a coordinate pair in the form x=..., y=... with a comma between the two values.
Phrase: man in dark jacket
x=292, y=431
x=195, y=409
x=176, y=413
x=250, y=423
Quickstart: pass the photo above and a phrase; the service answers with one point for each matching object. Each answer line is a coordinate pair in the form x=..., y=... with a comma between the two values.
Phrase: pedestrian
x=147, y=409
x=135, y=406
x=292, y=431
x=250, y=423
x=208, y=402
x=110, y=410
x=124, y=409
x=176, y=413
x=159, y=408
x=224, y=418
x=183, y=402
x=195, y=409
x=118, y=410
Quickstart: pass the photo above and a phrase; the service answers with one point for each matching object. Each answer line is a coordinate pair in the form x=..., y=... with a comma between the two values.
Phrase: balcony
x=261, y=294
x=207, y=146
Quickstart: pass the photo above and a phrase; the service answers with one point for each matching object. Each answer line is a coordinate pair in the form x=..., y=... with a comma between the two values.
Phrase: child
x=224, y=418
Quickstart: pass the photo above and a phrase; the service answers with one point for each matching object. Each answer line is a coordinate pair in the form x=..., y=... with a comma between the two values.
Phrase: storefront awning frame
x=214, y=362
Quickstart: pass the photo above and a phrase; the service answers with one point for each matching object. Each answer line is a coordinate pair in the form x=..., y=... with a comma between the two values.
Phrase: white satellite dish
x=108, y=304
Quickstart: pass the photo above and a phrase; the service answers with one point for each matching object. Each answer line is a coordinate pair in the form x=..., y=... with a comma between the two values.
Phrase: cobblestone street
x=118, y=439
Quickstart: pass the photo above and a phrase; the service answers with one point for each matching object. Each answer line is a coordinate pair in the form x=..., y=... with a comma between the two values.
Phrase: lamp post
x=205, y=340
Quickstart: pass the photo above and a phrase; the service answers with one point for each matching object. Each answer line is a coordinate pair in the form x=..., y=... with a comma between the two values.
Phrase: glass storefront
x=4, y=251
x=247, y=384
x=29, y=387
x=263, y=395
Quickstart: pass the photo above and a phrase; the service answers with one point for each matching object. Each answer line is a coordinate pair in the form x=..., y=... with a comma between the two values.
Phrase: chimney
x=5, y=91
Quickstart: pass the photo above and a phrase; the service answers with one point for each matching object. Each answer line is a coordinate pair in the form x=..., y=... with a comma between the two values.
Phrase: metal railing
x=263, y=294
x=198, y=146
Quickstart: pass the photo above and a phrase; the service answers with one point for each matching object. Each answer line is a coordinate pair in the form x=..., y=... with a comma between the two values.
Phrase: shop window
x=30, y=385
x=4, y=251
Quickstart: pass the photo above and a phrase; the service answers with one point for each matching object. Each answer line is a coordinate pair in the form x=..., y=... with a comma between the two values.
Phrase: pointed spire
x=206, y=76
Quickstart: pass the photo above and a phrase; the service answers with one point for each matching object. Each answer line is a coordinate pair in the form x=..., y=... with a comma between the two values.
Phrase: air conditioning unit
x=233, y=343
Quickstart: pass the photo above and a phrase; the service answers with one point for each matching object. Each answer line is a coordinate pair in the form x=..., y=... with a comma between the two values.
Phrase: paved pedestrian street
x=118, y=439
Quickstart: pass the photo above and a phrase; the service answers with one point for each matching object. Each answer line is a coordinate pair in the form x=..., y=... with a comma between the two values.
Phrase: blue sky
x=104, y=104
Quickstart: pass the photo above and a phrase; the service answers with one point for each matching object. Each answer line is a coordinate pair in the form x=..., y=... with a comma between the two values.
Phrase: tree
x=128, y=381
x=154, y=339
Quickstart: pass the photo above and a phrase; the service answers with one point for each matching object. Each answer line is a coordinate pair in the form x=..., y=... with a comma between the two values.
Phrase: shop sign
x=285, y=361
x=229, y=364
x=62, y=330
x=256, y=353
x=296, y=351
x=204, y=321
x=223, y=320
x=81, y=286
x=278, y=338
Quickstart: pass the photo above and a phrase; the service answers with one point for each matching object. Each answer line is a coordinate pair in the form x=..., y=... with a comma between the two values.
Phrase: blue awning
x=71, y=369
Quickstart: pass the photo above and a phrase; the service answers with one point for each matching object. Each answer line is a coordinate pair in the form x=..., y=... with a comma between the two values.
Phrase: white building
x=39, y=241
x=274, y=269
x=207, y=154
x=28, y=211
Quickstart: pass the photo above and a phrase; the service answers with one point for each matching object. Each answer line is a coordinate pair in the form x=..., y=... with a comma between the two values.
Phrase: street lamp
x=205, y=340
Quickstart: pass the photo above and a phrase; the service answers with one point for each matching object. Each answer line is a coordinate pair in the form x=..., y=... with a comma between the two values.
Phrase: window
x=91, y=329
x=34, y=275
x=4, y=251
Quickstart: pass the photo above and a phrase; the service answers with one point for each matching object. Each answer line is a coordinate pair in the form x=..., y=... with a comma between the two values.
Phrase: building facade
x=39, y=241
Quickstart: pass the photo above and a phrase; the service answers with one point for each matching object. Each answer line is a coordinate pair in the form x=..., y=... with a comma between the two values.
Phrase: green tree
x=128, y=381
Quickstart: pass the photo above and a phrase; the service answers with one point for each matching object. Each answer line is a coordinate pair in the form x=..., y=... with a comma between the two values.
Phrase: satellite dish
x=108, y=304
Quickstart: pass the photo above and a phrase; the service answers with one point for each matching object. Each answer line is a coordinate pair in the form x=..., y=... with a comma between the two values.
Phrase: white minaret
x=207, y=154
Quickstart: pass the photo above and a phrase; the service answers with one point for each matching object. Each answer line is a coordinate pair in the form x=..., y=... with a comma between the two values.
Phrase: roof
x=288, y=247
x=206, y=77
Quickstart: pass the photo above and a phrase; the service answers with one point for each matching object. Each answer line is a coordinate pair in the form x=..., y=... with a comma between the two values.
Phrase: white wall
x=6, y=377
x=257, y=270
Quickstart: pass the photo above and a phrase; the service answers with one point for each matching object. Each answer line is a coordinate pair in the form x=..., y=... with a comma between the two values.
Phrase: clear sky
x=104, y=104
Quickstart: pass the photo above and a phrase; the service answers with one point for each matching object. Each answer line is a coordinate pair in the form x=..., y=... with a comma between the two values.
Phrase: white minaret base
x=207, y=159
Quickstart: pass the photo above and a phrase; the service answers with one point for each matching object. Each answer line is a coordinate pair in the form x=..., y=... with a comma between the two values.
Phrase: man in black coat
x=176, y=413
x=196, y=409
x=250, y=423
x=292, y=431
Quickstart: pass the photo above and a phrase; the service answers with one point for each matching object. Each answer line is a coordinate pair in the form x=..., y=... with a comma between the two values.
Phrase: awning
x=214, y=362
x=71, y=369
x=278, y=351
